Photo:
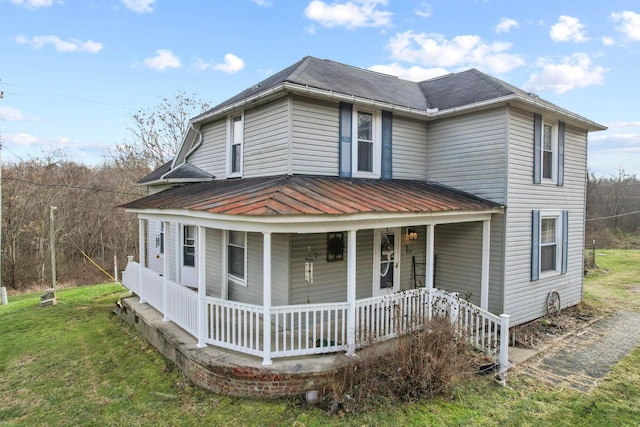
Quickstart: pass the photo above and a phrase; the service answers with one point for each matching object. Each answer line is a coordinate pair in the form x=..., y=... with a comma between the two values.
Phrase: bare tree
x=156, y=133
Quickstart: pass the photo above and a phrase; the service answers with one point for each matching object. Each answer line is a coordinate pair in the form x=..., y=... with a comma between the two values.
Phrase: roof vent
x=533, y=95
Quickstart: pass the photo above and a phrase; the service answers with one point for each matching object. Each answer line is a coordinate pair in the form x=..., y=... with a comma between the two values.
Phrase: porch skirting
x=225, y=371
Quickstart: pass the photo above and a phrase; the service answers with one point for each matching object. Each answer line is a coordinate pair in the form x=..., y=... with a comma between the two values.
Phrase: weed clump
x=423, y=362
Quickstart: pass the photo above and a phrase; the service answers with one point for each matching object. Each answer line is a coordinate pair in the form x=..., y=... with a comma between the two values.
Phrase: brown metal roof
x=304, y=195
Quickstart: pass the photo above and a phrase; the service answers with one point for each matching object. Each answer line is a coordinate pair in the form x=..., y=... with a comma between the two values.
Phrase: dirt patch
x=537, y=333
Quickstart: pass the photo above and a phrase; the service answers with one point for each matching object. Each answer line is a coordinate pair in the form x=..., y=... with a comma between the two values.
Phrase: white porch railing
x=299, y=330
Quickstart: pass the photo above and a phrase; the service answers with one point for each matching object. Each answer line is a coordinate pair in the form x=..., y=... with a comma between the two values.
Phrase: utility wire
x=77, y=187
x=613, y=216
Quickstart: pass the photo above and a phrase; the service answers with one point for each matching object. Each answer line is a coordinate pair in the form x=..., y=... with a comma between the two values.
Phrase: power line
x=77, y=187
x=612, y=216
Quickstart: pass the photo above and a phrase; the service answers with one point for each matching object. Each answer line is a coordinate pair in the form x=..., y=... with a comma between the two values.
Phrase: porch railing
x=317, y=328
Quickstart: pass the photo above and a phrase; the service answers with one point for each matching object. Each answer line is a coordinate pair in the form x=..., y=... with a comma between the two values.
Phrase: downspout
x=196, y=146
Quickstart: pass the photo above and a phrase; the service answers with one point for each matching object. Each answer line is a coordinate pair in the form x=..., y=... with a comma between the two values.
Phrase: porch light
x=412, y=234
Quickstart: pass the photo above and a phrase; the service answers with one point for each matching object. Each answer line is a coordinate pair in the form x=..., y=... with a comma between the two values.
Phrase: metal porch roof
x=313, y=195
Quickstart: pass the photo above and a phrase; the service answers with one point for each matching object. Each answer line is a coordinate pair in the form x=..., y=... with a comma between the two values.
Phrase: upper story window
x=366, y=150
x=235, y=138
x=237, y=256
x=549, y=151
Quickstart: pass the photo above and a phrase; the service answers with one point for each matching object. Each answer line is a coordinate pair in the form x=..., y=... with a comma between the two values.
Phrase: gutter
x=428, y=113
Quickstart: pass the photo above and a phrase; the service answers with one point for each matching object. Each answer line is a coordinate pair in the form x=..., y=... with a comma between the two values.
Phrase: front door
x=386, y=260
x=188, y=273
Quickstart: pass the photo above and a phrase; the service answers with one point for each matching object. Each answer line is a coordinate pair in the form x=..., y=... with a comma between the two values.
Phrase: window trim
x=554, y=151
x=376, y=124
x=160, y=244
x=242, y=281
x=558, y=216
x=184, y=244
x=230, y=144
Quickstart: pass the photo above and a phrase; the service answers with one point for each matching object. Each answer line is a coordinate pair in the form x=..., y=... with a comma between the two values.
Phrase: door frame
x=377, y=260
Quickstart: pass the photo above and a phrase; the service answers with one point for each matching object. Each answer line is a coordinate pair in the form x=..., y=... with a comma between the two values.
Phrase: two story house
x=312, y=211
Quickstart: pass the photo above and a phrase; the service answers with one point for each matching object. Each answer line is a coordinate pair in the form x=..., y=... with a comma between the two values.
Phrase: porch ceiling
x=299, y=194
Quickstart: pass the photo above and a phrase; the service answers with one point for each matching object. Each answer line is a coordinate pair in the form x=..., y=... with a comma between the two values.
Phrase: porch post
x=266, y=298
x=351, y=292
x=429, y=257
x=504, y=348
x=141, y=255
x=484, y=284
x=201, y=262
x=224, y=270
x=165, y=273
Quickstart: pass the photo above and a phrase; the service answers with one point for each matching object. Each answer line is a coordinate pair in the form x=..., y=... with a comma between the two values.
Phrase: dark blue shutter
x=537, y=148
x=565, y=240
x=387, y=163
x=561, y=153
x=346, y=117
x=535, y=245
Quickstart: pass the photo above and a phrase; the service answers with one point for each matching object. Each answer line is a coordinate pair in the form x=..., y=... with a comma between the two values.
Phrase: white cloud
x=163, y=60
x=629, y=24
x=351, y=14
x=413, y=73
x=11, y=114
x=567, y=29
x=20, y=139
x=232, y=64
x=263, y=3
x=32, y=4
x=424, y=11
x=572, y=72
x=433, y=50
x=73, y=45
x=139, y=6
x=623, y=125
x=506, y=24
x=608, y=41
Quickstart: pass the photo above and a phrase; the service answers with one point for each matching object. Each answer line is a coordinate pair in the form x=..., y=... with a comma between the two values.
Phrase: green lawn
x=76, y=363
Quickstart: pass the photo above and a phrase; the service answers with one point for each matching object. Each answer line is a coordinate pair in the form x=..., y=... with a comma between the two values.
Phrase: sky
x=74, y=72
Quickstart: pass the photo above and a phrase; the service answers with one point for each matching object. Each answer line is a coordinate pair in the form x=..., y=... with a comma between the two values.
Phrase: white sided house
x=329, y=206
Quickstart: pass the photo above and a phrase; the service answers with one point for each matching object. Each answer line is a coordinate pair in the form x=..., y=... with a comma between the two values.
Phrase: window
x=366, y=150
x=547, y=151
x=189, y=246
x=236, y=254
x=160, y=239
x=550, y=245
x=236, y=137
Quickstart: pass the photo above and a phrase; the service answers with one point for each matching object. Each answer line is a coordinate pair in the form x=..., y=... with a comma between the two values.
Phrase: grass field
x=77, y=364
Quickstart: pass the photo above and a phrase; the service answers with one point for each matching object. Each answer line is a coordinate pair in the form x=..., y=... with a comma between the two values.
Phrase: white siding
x=458, y=251
x=214, y=262
x=314, y=148
x=468, y=152
x=409, y=148
x=526, y=300
x=211, y=155
x=252, y=293
x=266, y=139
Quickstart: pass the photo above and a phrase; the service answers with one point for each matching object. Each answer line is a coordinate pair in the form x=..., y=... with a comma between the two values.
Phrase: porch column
x=201, y=263
x=351, y=292
x=266, y=298
x=141, y=256
x=484, y=284
x=165, y=273
x=429, y=257
x=428, y=280
x=178, y=252
x=224, y=270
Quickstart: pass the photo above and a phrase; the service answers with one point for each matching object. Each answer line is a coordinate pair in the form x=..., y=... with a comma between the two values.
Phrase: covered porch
x=287, y=298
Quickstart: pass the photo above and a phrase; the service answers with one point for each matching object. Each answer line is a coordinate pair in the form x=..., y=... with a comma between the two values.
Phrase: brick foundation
x=222, y=371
